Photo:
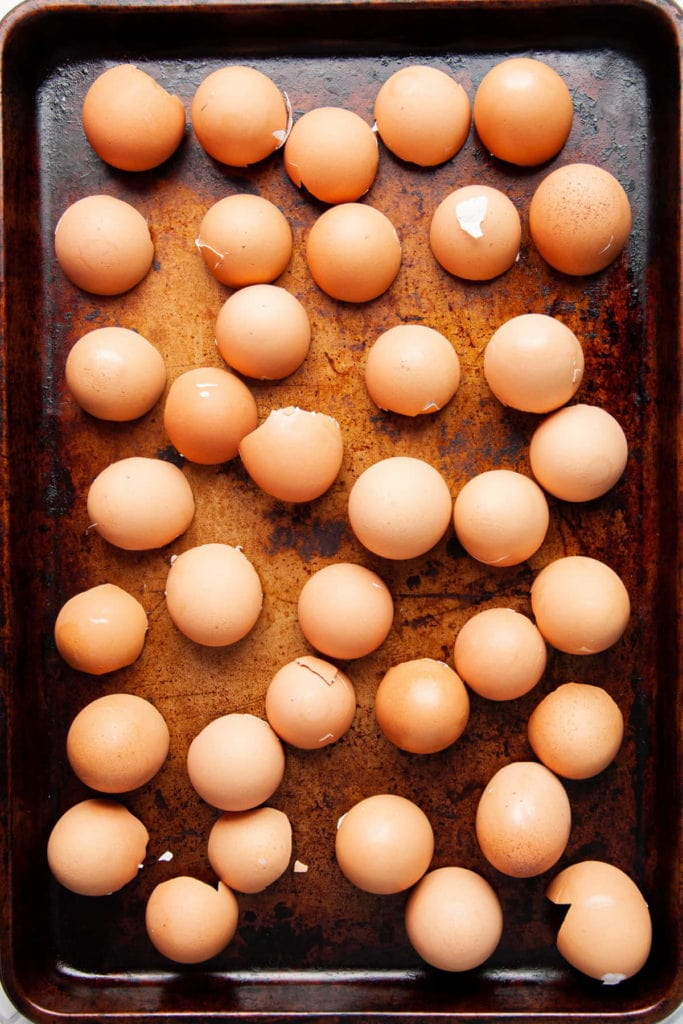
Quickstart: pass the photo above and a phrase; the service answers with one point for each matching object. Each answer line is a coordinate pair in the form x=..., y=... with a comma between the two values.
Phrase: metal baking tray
x=311, y=946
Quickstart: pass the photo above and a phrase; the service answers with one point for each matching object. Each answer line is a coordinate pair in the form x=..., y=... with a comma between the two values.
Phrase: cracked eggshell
x=400, y=507
x=475, y=233
x=501, y=517
x=189, y=921
x=580, y=604
x=500, y=653
x=239, y=115
x=101, y=629
x=263, y=331
x=534, y=363
x=523, y=819
x=96, y=847
x=345, y=610
x=245, y=239
x=422, y=706
x=607, y=931
x=249, y=850
x=576, y=730
x=207, y=413
x=103, y=245
x=412, y=369
x=295, y=455
x=140, y=503
x=423, y=115
x=130, y=120
x=236, y=762
x=310, y=703
x=332, y=153
x=213, y=594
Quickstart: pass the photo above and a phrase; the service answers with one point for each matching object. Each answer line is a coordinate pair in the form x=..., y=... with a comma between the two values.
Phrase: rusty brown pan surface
x=311, y=946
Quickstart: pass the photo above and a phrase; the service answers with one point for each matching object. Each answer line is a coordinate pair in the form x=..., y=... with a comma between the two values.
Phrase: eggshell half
x=189, y=921
x=345, y=610
x=249, y=850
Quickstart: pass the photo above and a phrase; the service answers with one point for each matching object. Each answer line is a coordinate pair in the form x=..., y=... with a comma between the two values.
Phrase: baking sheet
x=311, y=945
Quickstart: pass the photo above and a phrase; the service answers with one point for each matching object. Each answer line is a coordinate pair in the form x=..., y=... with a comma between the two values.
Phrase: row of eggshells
x=470, y=219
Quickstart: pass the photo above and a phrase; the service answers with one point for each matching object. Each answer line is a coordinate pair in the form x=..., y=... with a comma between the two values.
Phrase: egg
x=454, y=919
x=189, y=921
x=115, y=373
x=345, y=610
x=101, y=629
x=523, y=819
x=103, y=245
x=353, y=252
x=523, y=111
x=295, y=455
x=130, y=120
x=501, y=517
x=576, y=730
x=236, y=762
x=579, y=453
x=332, y=153
x=310, y=703
x=213, y=594
x=422, y=706
x=400, y=507
x=245, y=239
x=96, y=847
x=500, y=653
x=263, y=331
x=207, y=413
x=475, y=233
x=384, y=844
x=580, y=604
x=423, y=115
x=580, y=219
x=249, y=850
x=607, y=931
x=239, y=115
x=534, y=363
x=412, y=369
x=140, y=503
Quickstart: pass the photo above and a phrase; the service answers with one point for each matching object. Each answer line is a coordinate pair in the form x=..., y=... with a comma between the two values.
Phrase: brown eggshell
x=607, y=931
x=236, y=762
x=103, y=245
x=249, y=850
x=579, y=453
x=523, y=819
x=115, y=374
x=384, y=844
x=523, y=111
x=117, y=742
x=239, y=115
x=189, y=921
x=501, y=517
x=130, y=120
x=576, y=730
x=412, y=369
x=101, y=629
x=400, y=507
x=475, y=233
x=423, y=115
x=422, y=705
x=213, y=594
x=454, y=919
x=244, y=239
x=263, y=331
x=500, y=653
x=332, y=153
x=96, y=847
x=295, y=454
x=140, y=503
x=533, y=362
x=310, y=703
x=580, y=219
x=207, y=413
x=353, y=252
x=345, y=610
x=581, y=606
